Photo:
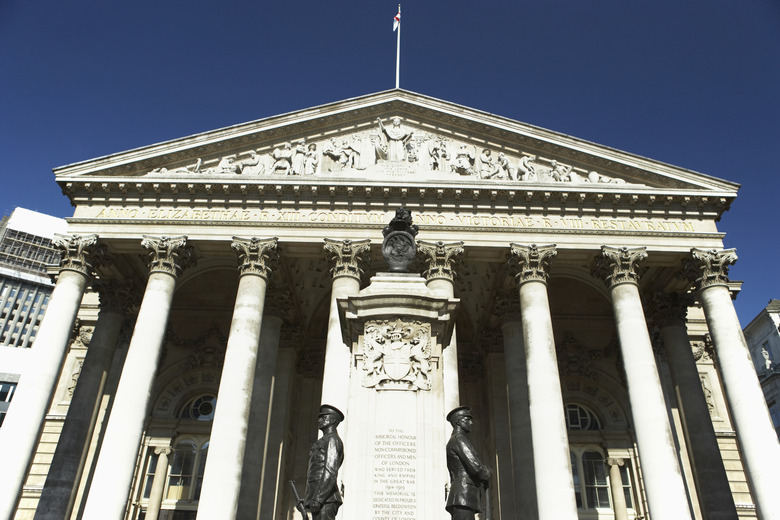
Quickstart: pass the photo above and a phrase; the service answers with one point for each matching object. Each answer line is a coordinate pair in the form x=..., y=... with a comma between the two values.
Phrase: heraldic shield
x=397, y=355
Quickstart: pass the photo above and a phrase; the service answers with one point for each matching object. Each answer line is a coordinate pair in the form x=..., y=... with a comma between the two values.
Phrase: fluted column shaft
x=666, y=494
x=346, y=256
x=712, y=484
x=22, y=426
x=113, y=475
x=523, y=467
x=552, y=463
x=222, y=477
x=757, y=438
x=62, y=481
x=158, y=483
x=439, y=276
x=616, y=488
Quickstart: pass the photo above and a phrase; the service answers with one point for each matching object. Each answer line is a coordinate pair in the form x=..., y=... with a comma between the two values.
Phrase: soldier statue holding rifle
x=468, y=476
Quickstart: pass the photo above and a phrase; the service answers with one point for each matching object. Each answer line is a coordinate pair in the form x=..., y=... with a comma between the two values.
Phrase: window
x=579, y=418
x=201, y=408
x=7, y=390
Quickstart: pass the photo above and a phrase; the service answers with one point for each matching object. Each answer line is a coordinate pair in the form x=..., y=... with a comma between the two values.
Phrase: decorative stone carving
x=532, y=262
x=710, y=267
x=74, y=378
x=118, y=296
x=574, y=360
x=507, y=307
x=464, y=160
x=707, y=394
x=282, y=159
x=396, y=138
x=80, y=253
x=169, y=255
x=618, y=265
x=205, y=357
x=440, y=257
x=392, y=150
x=311, y=160
x=670, y=309
x=255, y=255
x=399, y=247
x=397, y=355
x=346, y=256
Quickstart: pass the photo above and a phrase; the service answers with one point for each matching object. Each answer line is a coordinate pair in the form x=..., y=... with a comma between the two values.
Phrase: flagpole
x=398, y=51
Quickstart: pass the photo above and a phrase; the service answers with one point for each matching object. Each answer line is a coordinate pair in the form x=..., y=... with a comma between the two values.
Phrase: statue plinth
x=396, y=435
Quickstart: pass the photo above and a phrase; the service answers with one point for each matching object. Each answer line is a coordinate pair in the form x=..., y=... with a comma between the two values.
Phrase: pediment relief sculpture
x=391, y=149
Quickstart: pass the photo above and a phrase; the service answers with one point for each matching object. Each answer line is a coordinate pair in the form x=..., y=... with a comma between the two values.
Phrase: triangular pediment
x=394, y=137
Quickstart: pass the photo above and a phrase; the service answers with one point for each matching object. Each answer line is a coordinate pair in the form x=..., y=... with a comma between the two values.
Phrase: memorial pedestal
x=396, y=433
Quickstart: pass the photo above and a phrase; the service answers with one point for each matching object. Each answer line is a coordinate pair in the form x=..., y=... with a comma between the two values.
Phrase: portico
x=554, y=253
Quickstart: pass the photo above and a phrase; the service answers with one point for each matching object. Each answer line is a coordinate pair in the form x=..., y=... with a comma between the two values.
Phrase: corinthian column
x=757, y=439
x=712, y=484
x=346, y=255
x=56, y=503
x=663, y=480
x=552, y=463
x=222, y=477
x=23, y=424
x=440, y=277
x=113, y=475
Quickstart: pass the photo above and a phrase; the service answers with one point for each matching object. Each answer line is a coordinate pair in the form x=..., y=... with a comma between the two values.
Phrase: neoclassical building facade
x=216, y=289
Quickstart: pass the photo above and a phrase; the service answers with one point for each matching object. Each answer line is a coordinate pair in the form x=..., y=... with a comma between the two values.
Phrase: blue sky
x=693, y=83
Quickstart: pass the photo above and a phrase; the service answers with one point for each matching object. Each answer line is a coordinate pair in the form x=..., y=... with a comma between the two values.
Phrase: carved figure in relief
x=525, y=170
x=298, y=157
x=252, y=165
x=282, y=159
x=487, y=169
x=559, y=172
x=227, y=165
x=323, y=498
x=464, y=160
x=396, y=138
x=311, y=160
x=469, y=477
x=767, y=360
x=332, y=156
x=397, y=352
x=597, y=177
x=437, y=155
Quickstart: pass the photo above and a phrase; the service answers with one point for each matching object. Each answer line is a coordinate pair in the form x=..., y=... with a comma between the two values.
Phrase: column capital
x=533, y=262
x=80, y=253
x=255, y=255
x=670, y=309
x=117, y=295
x=440, y=257
x=346, y=255
x=616, y=461
x=618, y=265
x=709, y=267
x=507, y=307
x=163, y=450
x=170, y=255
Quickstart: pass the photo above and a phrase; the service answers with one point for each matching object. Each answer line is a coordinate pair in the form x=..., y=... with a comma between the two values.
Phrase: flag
x=397, y=19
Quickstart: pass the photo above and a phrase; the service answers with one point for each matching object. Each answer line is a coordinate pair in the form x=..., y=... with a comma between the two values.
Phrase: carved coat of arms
x=397, y=354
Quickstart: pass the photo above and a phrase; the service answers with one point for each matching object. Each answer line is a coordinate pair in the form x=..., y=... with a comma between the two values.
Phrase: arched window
x=591, y=479
x=579, y=418
x=201, y=408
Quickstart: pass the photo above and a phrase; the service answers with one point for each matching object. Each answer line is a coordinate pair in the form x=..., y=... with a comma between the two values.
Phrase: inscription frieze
x=423, y=218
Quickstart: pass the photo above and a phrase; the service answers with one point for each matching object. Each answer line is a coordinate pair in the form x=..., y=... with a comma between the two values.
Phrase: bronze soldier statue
x=325, y=457
x=467, y=473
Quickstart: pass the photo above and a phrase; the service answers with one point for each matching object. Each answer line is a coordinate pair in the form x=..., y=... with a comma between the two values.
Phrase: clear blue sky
x=693, y=83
